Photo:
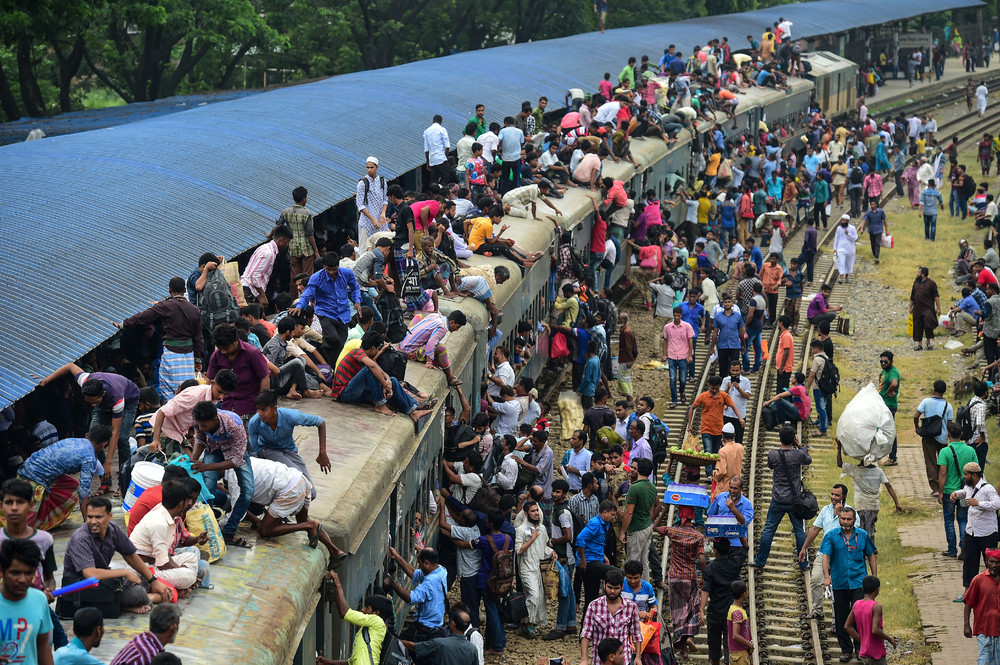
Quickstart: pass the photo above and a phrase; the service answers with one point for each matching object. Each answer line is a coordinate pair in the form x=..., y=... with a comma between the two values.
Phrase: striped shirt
x=427, y=332
x=258, y=270
x=46, y=433
x=140, y=650
x=347, y=369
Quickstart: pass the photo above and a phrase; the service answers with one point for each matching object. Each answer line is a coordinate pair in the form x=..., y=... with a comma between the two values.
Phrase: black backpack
x=368, y=186
x=857, y=175
x=579, y=267
x=394, y=653
x=216, y=302
x=969, y=188
x=392, y=314
x=393, y=363
x=829, y=378
x=964, y=420
x=657, y=438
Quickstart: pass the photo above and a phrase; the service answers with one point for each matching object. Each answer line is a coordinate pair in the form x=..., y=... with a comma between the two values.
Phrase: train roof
x=824, y=62
x=96, y=222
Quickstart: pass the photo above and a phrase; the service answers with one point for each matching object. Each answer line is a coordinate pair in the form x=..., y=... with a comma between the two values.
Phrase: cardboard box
x=687, y=495
x=724, y=526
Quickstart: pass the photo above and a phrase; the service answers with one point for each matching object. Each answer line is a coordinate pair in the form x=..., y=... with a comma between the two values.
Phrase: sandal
x=454, y=383
x=236, y=541
x=118, y=493
x=891, y=462
x=816, y=615
x=336, y=561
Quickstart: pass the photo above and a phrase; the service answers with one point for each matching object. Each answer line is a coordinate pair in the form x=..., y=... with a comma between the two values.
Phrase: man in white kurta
x=844, y=247
x=924, y=174
x=532, y=547
x=981, y=93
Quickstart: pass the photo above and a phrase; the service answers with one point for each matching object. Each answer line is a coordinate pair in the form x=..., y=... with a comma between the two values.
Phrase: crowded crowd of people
x=320, y=312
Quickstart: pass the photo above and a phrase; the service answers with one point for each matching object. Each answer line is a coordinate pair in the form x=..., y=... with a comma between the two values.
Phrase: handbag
x=930, y=427
x=513, y=608
x=805, y=507
x=105, y=597
x=411, y=280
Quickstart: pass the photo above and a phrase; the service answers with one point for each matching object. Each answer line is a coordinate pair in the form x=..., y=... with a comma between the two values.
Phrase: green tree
x=143, y=51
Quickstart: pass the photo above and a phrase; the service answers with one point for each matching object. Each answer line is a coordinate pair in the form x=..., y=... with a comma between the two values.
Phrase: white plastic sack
x=866, y=428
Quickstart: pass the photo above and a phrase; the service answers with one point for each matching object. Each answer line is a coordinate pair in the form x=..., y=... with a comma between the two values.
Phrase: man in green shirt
x=637, y=524
x=888, y=388
x=951, y=462
x=479, y=120
x=627, y=75
x=364, y=651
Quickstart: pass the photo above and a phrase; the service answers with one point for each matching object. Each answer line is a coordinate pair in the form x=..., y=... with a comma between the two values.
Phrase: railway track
x=779, y=604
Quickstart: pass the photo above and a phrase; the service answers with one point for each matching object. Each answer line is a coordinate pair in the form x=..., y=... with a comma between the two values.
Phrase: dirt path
x=939, y=578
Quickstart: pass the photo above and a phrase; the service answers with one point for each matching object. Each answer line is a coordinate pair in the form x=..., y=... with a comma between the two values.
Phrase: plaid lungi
x=52, y=505
x=685, y=605
x=175, y=369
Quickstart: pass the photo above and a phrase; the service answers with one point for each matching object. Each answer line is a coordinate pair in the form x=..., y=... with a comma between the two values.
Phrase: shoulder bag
x=805, y=507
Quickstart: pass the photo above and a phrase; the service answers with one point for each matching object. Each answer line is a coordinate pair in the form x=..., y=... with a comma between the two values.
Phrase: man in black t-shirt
x=717, y=596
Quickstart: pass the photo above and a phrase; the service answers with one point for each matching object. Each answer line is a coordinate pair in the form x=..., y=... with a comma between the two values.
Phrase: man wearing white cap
x=844, y=247
x=730, y=460
x=372, y=198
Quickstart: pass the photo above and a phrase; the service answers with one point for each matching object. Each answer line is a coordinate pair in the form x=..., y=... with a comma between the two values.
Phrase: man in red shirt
x=359, y=379
x=598, y=240
x=982, y=599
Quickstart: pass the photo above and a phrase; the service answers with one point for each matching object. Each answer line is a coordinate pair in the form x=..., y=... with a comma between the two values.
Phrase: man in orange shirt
x=713, y=403
x=785, y=360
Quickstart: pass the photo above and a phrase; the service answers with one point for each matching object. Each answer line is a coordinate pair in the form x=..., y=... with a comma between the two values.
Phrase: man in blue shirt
x=52, y=468
x=734, y=503
x=591, y=375
x=430, y=585
x=728, y=333
x=270, y=435
x=932, y=201
x=828, y=520
x=844, y=554
x=511, y=140
x=876, y=224
x=88, y=628
x=590, y=550
x=333, y=289
x=755, y=256
x=965, y=313
x=693, y=312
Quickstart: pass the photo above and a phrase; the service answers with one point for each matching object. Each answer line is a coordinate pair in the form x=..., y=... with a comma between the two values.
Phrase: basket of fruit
x=692, y=457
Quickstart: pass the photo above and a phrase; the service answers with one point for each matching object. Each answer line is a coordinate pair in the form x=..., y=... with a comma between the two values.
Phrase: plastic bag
x=550, y=579
x=886, y=241
x=201, y=519
x=570, y=412
x=650, y=635
x=558, y=346
x=866, y=428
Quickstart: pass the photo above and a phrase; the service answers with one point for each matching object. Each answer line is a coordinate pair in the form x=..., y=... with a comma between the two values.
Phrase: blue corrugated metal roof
x=95, y=223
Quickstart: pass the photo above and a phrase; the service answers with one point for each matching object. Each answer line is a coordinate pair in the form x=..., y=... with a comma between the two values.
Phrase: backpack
x=501, y=579
x=216, y=301
x=393, y=363
x=579, y=267
x=857, y=176
x=485, y=499
x=395, y=327
x=368, y=185
x=394, y=653
x=964, y=420
x=657, y=438
x=829, y=378
x=969, y=187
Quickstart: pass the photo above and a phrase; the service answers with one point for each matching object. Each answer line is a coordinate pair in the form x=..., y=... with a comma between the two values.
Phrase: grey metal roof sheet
x=95, y=223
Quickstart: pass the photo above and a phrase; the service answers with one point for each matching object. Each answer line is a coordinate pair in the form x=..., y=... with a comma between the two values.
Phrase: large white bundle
x=866, y=428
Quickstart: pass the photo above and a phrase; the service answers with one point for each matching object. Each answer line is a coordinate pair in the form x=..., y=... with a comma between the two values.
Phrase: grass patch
x=897, y=270
x=101, y=98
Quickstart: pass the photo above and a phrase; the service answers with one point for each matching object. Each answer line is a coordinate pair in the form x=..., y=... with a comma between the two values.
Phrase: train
x=270, y=605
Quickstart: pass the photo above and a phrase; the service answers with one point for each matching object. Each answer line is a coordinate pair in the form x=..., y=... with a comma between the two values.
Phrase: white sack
x=866, y=428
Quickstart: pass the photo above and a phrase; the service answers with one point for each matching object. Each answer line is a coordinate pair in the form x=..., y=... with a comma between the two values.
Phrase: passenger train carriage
x=270, y=605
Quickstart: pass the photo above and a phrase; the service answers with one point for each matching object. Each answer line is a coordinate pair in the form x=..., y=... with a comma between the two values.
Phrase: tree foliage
x=53, y=53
